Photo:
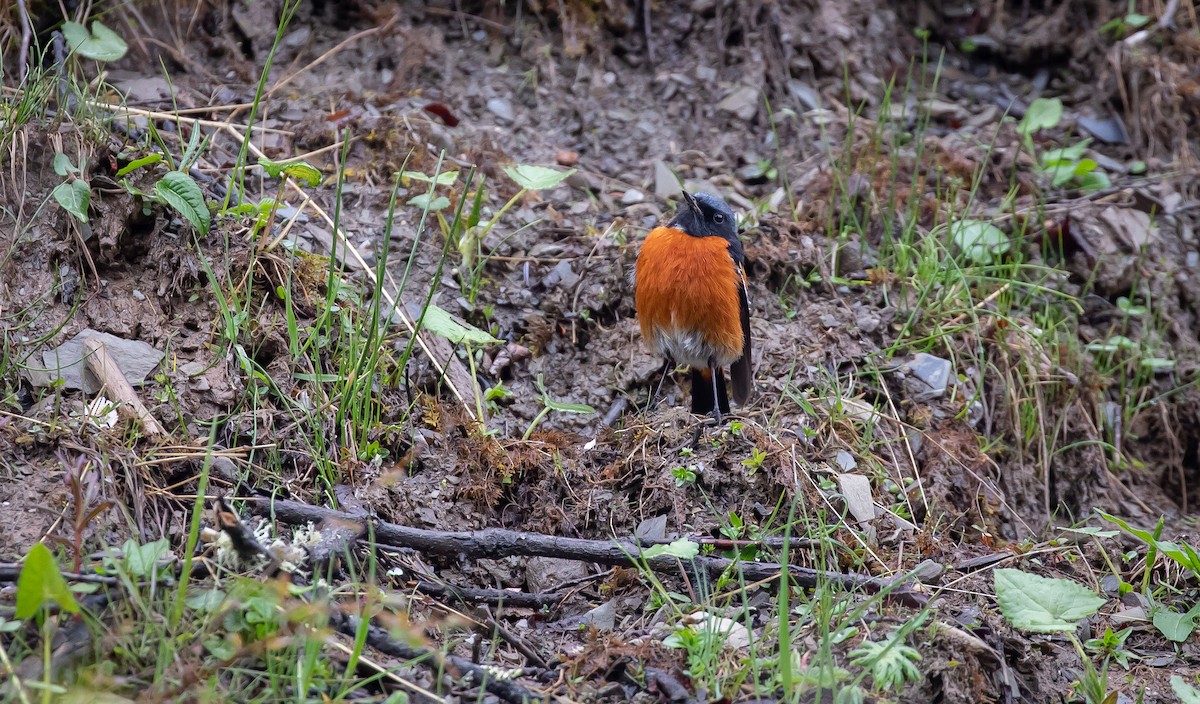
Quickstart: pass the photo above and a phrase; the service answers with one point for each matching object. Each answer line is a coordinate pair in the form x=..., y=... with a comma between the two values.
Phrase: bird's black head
x=705, y=215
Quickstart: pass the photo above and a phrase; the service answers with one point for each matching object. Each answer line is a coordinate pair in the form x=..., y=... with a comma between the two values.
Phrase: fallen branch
x=101, y=363
x=494, y=543
x=437, y=663
x=491, y=597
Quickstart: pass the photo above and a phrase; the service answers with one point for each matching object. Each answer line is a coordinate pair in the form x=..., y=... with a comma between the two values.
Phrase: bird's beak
x=691, y=202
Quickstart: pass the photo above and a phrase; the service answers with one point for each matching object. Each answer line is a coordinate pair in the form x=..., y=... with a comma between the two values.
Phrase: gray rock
x=665, y=184
x=501, y=108
x=1107, y=130
x=632, y=196
x=544, y=574
x=845, y=461
x=742, y=102
x=928, y=377
x=136, y=360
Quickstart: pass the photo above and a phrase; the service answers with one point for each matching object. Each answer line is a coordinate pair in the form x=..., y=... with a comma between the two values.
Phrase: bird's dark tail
x=702, y=391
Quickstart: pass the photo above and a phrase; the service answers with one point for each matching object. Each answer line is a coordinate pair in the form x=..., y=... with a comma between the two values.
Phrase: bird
x=692, y=304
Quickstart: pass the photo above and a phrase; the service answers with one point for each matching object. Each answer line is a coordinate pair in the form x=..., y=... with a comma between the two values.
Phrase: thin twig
x=494, y=543
x=26, y=39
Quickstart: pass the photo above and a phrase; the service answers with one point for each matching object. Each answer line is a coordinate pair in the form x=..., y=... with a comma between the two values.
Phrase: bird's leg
x=712, y=371
x=668, y=365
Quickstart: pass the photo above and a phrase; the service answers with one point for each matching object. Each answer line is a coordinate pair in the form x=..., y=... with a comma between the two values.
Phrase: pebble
x=742, y=102
x=501, y=108
x=566, y=157
x=665, y=184
x=139, y=295
x=632, y=196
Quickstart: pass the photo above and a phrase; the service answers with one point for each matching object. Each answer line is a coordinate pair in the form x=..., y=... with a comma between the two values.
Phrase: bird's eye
x=718, y=218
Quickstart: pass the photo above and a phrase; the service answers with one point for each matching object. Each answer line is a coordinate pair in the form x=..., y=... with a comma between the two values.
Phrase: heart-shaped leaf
x=73, y=196
x=40, y=582
x=1039, y=604
x=1042, y=113
x=102, y=44
x=980, y=241
x=299, y=170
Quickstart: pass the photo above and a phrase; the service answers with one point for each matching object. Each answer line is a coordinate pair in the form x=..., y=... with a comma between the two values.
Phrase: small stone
x=501, y=108
x=706, y=74
x=845, y=461
x=742, y=102
x=632, y=196
x=929, y=376
x=857, y=491
x=566, y=157
x=138, y=295
x=665, y=184
x=867, y=322
x=1107, y=130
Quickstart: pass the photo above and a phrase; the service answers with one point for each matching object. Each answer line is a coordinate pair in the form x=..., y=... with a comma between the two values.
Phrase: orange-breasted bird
x=692, y=304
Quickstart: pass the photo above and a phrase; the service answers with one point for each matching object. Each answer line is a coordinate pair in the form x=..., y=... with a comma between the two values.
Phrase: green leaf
x=40, y=582
x=979, y=241
x=181, y=192
x=1175, y=626
x=139, y=163
x=142, y=559
x=1072, y=153
x=1136, y=20
x=1157, y=364
x=1039, y=604
x=682, y=548
x=102, y=44
x=1187, y=693
x=445, y=178
x=1137, y=167
x=536, y=178
x=433, y=203
x=1166, y=547
x=1095, y=181
x=63, y=165
x=205, y=601
x=73, y=196
x=1042, y=113
x=440, y=322
x=568, y=407
x=1085, y=167
x=299, y=170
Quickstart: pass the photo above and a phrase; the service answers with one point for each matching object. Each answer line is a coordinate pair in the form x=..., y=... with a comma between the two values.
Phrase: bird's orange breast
x=687, y=297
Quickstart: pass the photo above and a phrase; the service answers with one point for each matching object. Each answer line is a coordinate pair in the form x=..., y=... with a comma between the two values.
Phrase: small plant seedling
x=755, y=461
x=684, y=475
x=1120, y=27
x=891, y=662
x=550, y=404
x=1066, y=165
x=1111, y=644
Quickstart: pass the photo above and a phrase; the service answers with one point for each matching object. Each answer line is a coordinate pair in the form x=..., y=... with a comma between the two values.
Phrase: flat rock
x=929, y=377
x=501, y=108
x=136, y=360
x=742, y=102
x=665, y=184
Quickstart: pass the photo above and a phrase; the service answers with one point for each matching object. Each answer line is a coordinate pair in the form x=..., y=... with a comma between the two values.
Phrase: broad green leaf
x=536, y=178
x=445, y=178
x=682, y=548
x=1095, y=181
x=1085, y=167
x=1072, y=153
x=432, y=203
x=142, y=559
x=181, y=193
x=73, y=196
x=206, y=600
x=102, y=44
x=40, y=582
x=1174, y=626
x=440, y=322
x=63, y=165
x=139, y=163
x=1187, y=693
x=299, y=170
x=979, y=241
x=1039, y=604
x=1042, y=113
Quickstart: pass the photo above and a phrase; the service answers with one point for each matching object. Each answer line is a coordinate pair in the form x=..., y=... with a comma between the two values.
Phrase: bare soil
x=591, y=85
